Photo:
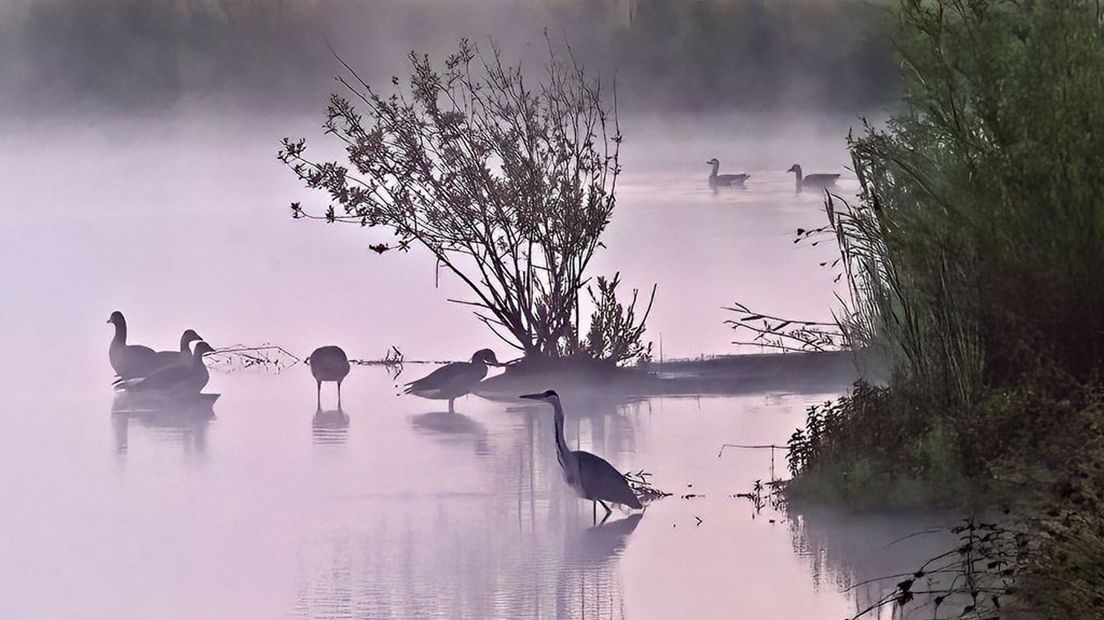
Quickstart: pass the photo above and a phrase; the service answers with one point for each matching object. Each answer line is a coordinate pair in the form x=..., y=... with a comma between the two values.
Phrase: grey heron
x=724, y=180
x=812, y=181
x=329, y=363
x=178, y=380
x=454, y=380
x=591, y=476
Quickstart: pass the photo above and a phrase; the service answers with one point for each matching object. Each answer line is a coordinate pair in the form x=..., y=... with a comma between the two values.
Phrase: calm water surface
x=400, y=510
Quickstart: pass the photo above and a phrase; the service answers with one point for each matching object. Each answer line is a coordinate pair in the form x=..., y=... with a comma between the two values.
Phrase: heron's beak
x=109, y=321
x=531, y=396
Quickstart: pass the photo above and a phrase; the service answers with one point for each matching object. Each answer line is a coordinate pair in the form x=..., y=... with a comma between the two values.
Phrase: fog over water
x=166, y=201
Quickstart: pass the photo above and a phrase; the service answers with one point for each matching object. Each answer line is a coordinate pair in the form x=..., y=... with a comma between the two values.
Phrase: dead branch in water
x=645, y=492
x=239, y=357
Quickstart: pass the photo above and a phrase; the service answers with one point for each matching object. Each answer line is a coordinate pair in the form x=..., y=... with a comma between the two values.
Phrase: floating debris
x=645, y=492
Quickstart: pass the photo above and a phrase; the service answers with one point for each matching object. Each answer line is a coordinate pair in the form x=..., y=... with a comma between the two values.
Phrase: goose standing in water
x=454, y=380
x=812, y=181
x=591, y=476
x=724, y=180
x=329, y=363
x=178, y=380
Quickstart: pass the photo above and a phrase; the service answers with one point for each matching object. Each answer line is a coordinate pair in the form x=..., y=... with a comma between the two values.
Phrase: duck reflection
x=452, y=426
x=182, y=419
x=330, y=427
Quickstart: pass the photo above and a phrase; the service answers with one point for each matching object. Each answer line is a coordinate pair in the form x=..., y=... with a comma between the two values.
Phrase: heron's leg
x=339, y=396
x=608, y=511
x=451, y=410
x=318, y=394
x=593, y=513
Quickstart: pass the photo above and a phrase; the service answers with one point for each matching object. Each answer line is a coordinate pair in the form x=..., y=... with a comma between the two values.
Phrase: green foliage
x=876, y=446
x=974, y=260
x=976, y=252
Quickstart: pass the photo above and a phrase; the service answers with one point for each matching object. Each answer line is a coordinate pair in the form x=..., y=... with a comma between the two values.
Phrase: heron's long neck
x=562, y=451
x=716, y=167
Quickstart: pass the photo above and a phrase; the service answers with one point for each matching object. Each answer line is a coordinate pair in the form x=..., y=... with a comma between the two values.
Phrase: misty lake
x=400, y=510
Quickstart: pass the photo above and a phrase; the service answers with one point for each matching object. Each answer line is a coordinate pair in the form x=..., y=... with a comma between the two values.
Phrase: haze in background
x=143, y=56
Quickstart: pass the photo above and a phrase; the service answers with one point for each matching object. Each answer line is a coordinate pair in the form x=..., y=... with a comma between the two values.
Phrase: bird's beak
x=531, y=396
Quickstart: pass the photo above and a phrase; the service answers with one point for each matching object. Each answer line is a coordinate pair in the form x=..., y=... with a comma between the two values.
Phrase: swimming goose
x=329, y=363
x=178, y=380
x=812, y=181
x=184, y=355
x=722, y=180
x=454, y=380
x=129, y=360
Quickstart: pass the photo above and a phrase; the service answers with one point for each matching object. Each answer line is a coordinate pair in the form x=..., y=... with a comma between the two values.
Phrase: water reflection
x=452, y=425
x=590, y=584
x=330, y=427
x=865, y=553
x=181, y=420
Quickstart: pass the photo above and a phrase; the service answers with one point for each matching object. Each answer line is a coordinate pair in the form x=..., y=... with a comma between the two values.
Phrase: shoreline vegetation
x=973, y=260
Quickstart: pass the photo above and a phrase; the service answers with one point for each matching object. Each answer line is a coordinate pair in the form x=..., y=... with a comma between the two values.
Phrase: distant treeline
x=687, y=55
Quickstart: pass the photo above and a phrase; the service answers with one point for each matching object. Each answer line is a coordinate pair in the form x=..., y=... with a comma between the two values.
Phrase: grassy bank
x=974, y=260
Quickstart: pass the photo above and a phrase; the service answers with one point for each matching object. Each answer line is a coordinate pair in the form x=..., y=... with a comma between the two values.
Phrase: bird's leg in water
x=339, y=396
x=318, y=393
x=451, y=410
x=608, y=511
x=593, y=513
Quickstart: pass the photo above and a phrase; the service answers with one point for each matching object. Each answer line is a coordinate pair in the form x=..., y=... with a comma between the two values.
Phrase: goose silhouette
x=177, y=380
x=812, y=181
x=724, y=180
x=130, y=361
x=453, y=380
x=329, y=363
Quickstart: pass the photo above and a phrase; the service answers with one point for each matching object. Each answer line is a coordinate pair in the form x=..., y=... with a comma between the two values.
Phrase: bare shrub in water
x=508, y=186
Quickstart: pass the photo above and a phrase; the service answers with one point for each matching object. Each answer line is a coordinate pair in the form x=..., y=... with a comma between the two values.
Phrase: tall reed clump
x=975, y=254
x=975, y=263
